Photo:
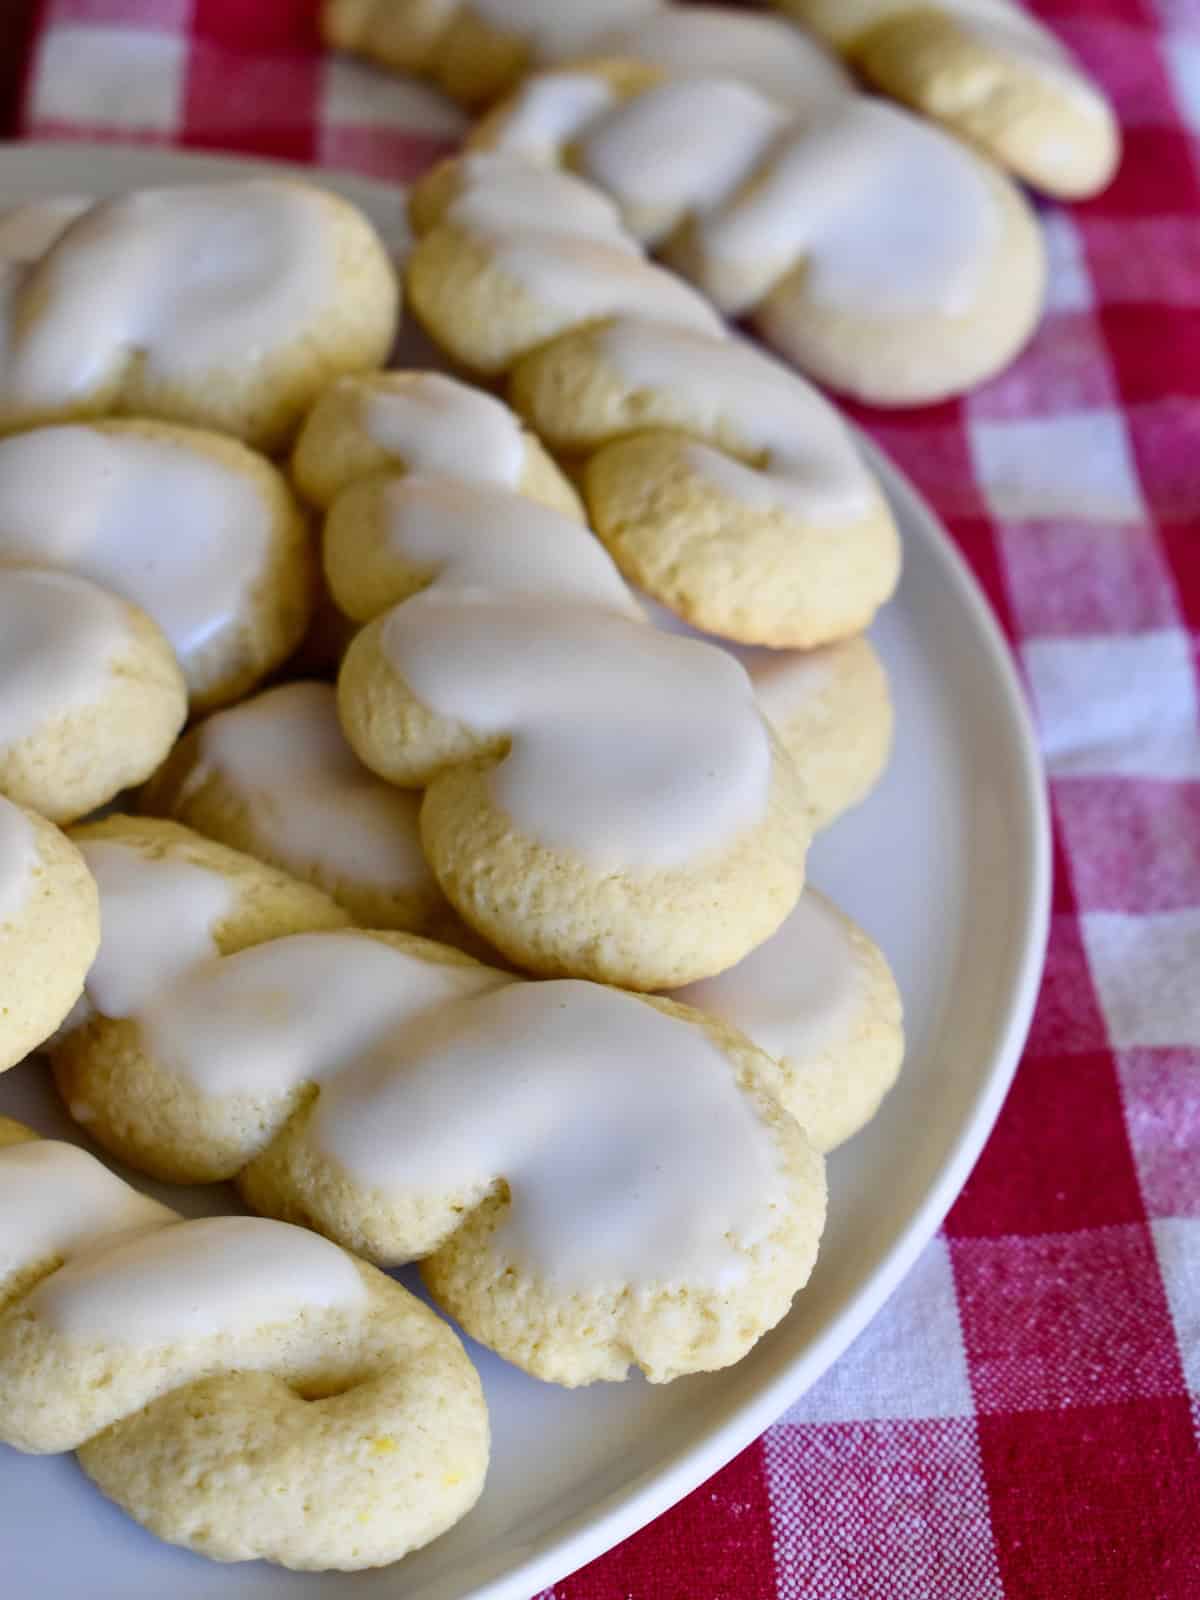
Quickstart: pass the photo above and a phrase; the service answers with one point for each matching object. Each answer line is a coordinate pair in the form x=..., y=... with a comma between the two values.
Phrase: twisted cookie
x=240, y=1387
x=991, y=72
x=601, y=799
x=873, y=250
x=547, y=1149
x=148, y=304
x=198, y=531
x=49, y=930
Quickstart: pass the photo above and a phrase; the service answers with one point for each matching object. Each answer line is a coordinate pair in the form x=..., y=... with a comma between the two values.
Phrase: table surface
x=1022, y=1420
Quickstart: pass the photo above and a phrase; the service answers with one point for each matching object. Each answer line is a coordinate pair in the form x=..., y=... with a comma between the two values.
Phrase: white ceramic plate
x=947, y=865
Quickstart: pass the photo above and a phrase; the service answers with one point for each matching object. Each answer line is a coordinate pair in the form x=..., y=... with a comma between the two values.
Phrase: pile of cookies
x=883, y=248
x=460, y=746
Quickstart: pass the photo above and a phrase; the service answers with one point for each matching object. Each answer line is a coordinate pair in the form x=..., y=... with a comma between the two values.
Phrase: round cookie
x=402, y=422
x=240, y=1387
x=91, y=696
x=722, y=483
x=147, y=305
x=545, y=1149
x=49, y=929
x=991, y=72
x=871, y=249
x=275, y=777
x=819, y=999
x=198, y=531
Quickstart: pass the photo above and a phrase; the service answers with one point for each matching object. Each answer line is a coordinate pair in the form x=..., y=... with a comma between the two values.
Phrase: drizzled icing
x=424, y=418
x=295, y=1010
x=311, y=803
x=59, y=635
x=191, y=278
x=890, y=215
x=158, y=916
x=808, y=459
x=180, y=534
x=196, y=1280
x=56, y=1200
x=18, y=860
x=769, y=54
x=799, y=994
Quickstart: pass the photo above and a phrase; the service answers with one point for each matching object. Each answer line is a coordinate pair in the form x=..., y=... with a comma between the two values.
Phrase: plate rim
x=584, y=1536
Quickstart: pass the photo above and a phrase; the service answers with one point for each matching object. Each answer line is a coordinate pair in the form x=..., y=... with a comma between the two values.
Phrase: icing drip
x=181, y=535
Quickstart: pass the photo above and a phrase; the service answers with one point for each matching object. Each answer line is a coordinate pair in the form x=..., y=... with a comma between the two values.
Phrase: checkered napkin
x=1021, y=1421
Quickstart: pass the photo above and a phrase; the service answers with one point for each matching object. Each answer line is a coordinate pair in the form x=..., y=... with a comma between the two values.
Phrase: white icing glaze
x=679, y=148
x=548, y=112
x=196, y=1280
x=58, y=636
x=629, y=1152
x=192, y=278
x=19, y=859
x=768, y=53
x=56, y=1200
x=27, y=231
x=808, y=459
x=157, y=918
x=556, y=31
x=295, y=1010
x=631, y=750
x=171, y=529
x=476, y=541
x=424, y=420
x=502, y=195
x=310, y=801
x=796, y=996
x=891, y=216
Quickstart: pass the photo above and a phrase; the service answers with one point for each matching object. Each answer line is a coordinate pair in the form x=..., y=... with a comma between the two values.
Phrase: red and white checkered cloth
x=1021, y=1421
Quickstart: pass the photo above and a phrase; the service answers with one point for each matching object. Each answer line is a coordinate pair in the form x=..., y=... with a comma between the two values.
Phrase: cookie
x=873, y=250
x=147, y=305
x=601, y=799
x=724, y=486
x=415, y=422
x=201, y=533
x=546, y=1149
x=91, y=696
x=240, y=1387
x=275, y=777
x=28, y=230
x=49, y=930
x=819, y=998
x=989, y=71
x=831, y=707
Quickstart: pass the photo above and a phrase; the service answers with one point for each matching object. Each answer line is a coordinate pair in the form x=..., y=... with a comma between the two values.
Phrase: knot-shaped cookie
x=878, y=253
x=148, y=304
x=546, y=1149
x=724, y=485
x=239, y=1386
x=49, y=930
x=602, y=799
x=479, y=49
x=991, y=72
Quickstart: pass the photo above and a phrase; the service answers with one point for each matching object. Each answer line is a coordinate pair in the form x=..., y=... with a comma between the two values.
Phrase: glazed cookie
x=49, y=930
x=990, y=72
x=820, y=999
x=832, y=708
x=170, y=898
x=546, y=1149
x=879, y=254
x=240, y=1387
x=724, y=485
x=601, y=799
x=200, y=532
x=91, y=696
x=148, y=304
x=27, y=231
x=276, y=778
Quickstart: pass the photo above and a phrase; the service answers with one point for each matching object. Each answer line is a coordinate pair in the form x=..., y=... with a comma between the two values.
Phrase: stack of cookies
x=469, y=733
